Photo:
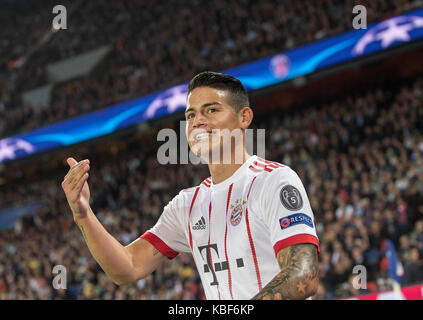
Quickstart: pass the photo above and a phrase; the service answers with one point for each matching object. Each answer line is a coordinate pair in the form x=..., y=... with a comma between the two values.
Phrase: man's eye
x=189, y=116
x=211, y=110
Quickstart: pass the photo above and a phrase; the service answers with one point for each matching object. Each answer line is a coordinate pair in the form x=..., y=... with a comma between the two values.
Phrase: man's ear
x=245, y=117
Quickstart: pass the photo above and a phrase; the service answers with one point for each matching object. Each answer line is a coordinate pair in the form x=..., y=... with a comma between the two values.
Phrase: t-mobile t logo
x=217, y=266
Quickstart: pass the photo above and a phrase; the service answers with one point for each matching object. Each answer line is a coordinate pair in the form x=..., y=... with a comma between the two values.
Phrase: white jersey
x=235, y=229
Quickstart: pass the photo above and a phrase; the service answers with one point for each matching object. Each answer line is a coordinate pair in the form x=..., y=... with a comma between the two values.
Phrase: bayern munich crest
x=237, y=210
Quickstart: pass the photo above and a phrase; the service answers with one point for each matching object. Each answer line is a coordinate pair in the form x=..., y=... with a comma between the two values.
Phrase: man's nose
x=199, y=120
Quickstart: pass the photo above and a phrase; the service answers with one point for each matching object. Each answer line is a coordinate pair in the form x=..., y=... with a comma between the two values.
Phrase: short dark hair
x=237, y=97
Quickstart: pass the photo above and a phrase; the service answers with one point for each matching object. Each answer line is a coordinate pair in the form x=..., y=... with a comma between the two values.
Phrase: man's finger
x=74, y=166
x=81, y=182
x=77, y=174
x=71, y=162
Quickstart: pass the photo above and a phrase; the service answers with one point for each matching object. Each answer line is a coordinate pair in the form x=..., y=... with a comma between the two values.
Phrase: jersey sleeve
x=168, y=235
x=286, y=210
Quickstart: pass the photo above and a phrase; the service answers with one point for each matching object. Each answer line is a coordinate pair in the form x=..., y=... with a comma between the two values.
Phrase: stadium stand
x=156, y=45
x=360, y=158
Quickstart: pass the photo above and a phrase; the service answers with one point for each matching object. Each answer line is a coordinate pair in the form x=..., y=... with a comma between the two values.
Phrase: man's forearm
x=298, y=278
x=285, y=287
x=112, y=256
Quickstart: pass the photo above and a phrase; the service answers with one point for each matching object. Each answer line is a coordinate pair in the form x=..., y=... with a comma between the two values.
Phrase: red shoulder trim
x=296, y=239
x=207, y=182
x=261, y=164
x=160, y=245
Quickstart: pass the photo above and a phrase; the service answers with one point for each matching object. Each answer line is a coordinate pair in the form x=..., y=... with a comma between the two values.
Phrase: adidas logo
x=200, y=225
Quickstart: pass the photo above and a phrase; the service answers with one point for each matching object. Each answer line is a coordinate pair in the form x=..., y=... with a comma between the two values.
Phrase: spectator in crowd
x=413, y=269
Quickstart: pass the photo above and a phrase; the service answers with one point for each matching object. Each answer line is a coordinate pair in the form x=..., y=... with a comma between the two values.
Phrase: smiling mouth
x=203, y=135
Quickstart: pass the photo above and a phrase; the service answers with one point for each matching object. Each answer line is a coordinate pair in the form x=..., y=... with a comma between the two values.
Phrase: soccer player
x=249, y=226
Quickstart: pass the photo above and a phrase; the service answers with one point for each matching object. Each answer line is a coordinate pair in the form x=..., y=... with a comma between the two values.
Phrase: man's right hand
x=76, y=188
x=122, y=264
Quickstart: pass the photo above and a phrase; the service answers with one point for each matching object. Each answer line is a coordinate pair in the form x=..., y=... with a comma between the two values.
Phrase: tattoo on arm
x=299, y=274
x=155, y=251
x=83, y=233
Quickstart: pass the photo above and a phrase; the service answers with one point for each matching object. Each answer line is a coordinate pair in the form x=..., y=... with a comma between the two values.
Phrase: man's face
x=207, y=114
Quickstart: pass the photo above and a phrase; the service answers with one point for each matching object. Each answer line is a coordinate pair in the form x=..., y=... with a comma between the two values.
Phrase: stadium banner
x=9, y=216
x=76, y=66
x=255, y=75
x=406, y=293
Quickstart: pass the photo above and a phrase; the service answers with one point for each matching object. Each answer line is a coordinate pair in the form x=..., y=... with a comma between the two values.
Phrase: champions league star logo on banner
x=388, y=32
x=173, y=99
x=280, y=66
x=10, y=147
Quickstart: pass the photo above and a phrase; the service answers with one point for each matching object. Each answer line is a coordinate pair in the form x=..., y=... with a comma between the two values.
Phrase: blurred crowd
x=360, y=158
x=155, y=45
